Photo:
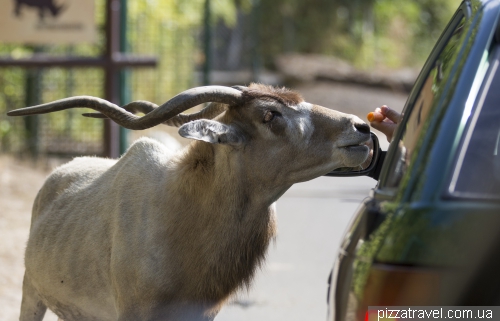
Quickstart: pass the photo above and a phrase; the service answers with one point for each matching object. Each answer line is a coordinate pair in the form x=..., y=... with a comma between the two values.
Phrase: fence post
x=124, y=80
x=33, y=97
x=111, y=129
x=70, y=84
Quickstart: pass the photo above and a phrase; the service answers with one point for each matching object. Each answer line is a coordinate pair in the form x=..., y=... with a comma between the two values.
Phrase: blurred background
x=349, y=55
x=197, y=42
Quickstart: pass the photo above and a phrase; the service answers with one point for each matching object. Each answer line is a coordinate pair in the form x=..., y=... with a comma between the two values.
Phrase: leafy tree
x=384, y=33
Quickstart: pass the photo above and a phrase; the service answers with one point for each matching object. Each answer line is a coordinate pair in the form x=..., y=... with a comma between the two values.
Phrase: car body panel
x=432, y=245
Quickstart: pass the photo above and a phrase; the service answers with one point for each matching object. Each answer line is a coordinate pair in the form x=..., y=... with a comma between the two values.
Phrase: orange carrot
x=374, y=117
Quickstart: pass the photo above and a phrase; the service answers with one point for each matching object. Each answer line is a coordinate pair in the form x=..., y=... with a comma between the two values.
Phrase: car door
x=356, y=273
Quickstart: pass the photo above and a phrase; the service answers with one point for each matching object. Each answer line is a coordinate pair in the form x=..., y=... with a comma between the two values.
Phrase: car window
x=421, y=109
x=477, y=172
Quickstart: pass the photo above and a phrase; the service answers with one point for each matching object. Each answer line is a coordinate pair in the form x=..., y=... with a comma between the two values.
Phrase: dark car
x=429, y=233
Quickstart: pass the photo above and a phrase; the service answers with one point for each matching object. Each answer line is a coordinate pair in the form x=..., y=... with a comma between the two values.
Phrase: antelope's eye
x=270, y=115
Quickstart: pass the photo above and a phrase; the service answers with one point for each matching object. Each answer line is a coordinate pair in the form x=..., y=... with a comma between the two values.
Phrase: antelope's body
x=158, y=235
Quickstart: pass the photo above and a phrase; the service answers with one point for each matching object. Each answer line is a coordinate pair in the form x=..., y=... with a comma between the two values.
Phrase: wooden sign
x=47, y=21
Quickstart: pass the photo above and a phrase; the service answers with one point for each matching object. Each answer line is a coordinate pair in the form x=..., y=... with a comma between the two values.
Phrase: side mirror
x=373, y=170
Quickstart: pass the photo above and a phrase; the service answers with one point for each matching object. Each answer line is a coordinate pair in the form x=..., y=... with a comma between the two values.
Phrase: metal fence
x=230, y=56
x=64, y=133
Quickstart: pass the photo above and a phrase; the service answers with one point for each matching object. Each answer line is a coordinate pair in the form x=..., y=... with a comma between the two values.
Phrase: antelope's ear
x=212, y=131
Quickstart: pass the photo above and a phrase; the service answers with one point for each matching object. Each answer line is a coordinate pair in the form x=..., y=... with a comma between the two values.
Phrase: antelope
x=162, y=235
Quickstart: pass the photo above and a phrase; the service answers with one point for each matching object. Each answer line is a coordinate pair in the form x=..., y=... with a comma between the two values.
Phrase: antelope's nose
x=362, y=128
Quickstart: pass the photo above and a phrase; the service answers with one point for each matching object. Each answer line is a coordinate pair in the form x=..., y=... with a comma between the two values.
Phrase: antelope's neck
x=220, y=173
x=231, y=222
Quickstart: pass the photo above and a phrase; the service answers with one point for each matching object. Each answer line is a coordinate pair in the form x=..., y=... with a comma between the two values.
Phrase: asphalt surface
x=292, y=285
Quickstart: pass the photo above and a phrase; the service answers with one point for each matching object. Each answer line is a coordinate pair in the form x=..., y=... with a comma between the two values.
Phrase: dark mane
x=283, y=95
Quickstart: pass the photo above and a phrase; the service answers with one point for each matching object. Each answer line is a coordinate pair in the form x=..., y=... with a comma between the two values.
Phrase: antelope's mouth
x=362, y=146
x=363, y=151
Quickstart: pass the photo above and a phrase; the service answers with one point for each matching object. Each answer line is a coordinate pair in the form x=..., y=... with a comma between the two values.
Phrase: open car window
x=422, y=108
x=477, y=170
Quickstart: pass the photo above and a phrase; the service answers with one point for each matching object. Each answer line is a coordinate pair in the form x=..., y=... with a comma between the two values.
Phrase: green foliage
x=369, y=33
x=11, y=95
x=170, y=29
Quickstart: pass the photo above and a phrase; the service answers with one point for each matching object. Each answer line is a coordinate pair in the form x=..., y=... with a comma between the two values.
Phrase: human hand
x=385, y=120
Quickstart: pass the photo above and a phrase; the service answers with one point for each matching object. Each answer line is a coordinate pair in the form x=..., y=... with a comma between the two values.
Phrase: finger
x=385, y=127
x=391, y=114
x=374, y=116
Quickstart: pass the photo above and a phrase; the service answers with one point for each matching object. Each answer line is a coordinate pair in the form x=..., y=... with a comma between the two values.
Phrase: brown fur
x=283, y=95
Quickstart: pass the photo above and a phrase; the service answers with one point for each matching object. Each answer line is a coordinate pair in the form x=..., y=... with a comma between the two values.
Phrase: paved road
x=312, y=217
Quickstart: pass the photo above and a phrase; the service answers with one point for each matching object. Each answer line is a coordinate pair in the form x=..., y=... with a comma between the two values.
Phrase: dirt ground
x=20, y=181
